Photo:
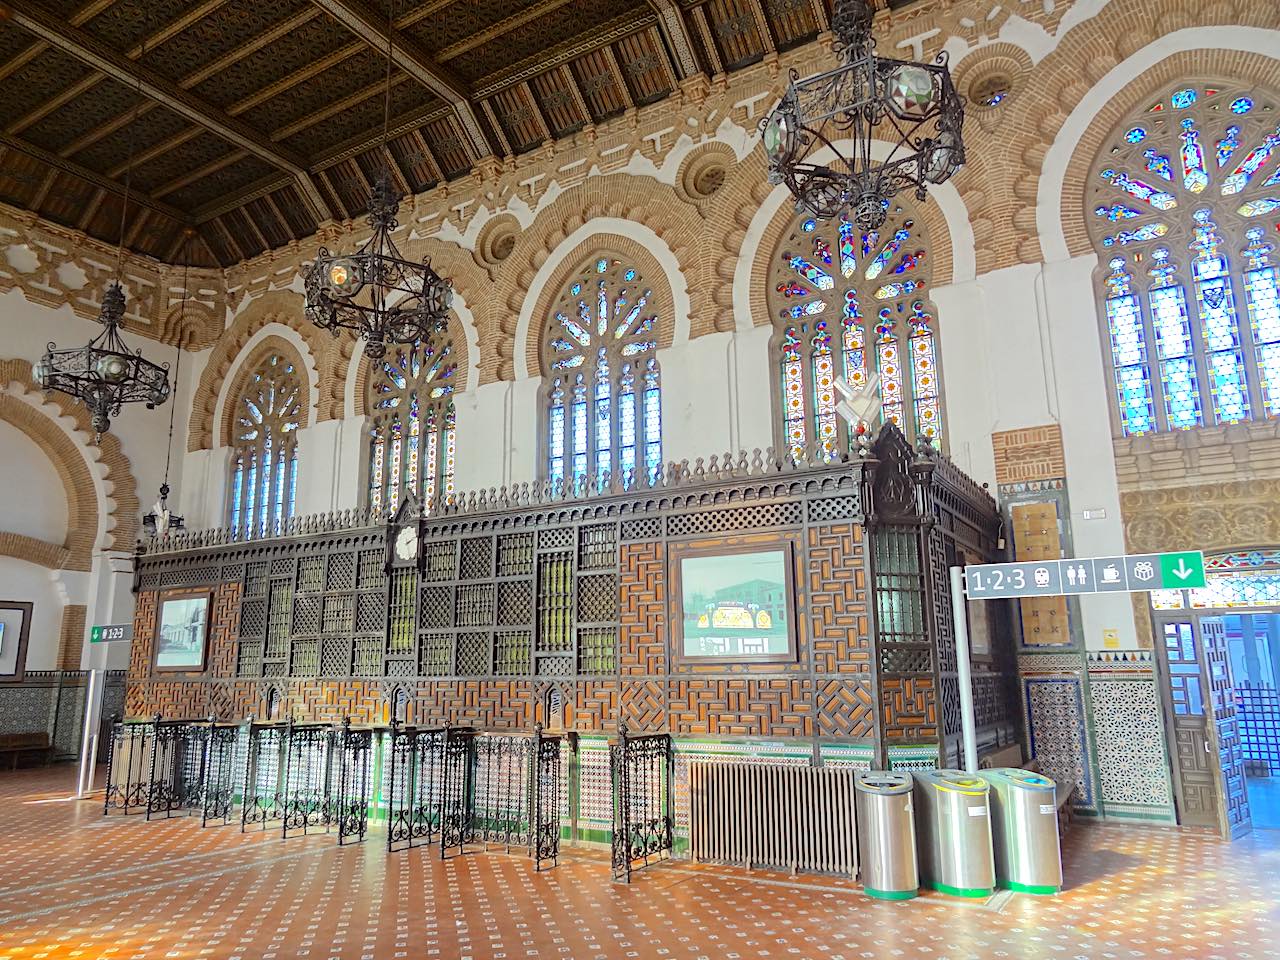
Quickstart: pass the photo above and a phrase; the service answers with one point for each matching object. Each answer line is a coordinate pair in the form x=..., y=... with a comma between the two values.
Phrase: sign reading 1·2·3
x=1047, y=578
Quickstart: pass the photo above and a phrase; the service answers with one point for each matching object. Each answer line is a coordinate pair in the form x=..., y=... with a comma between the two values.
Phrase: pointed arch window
x=602, y=384
x=264, y=462
x=412, y=433
x=852, y=304
x=1181, y=207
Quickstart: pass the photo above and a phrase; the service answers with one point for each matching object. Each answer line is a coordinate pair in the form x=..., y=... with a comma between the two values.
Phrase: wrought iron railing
x=642, y=777
x=156, y=767
x=415, y=786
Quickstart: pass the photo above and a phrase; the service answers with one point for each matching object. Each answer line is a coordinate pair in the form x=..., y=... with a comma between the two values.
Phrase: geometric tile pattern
x=643, y=646
x=78, y=885
x=846, y=708
x=1056, y=729
x=1129, y=732
x=909, y=708
x=742, y=707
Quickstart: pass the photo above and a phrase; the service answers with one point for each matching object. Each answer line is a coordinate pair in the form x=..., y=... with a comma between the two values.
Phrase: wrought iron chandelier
x=104, y=374
x=375, y=291
x=913, y=107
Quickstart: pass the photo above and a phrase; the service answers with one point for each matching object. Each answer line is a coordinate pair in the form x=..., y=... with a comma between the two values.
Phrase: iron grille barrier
x=458, y=786
x=415, y=786
x=350, y=806
x=642, y=775
x=156, y=766
x=261, y=799
x=309, y=772
x=220, y=770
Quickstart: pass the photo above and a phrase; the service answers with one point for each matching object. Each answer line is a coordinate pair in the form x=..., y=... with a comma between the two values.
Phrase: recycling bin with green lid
x=1024, y=824
x=953, y=832
x=886, y=835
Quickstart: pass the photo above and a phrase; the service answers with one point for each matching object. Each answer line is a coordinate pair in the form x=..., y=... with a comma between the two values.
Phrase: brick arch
x=624, y=196
x=283, y=307
x=1226, y=67
x=1005, y=180
x=266, y=347
x=122, y=510
x=603, y=243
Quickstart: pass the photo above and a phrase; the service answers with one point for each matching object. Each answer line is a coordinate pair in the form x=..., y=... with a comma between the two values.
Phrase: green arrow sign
x=1181, y=570
x=108, y=632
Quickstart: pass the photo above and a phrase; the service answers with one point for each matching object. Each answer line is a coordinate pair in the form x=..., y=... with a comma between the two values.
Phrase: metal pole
x=89, y=736
x=964, y=676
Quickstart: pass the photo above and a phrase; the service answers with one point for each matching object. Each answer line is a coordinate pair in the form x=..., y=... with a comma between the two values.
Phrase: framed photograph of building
x=15, y=627
x=182, y=630
x=733, y=603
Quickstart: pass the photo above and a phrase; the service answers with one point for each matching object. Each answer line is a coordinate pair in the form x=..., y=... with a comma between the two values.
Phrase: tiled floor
x=73, y=884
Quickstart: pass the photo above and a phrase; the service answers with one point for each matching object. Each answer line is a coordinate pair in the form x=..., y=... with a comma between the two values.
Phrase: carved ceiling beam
x=427, y=155
x=708, y=42
x=502, y=27
x=243, y=50
x=91, y=137
x=83, y=15
x=340, y=105
x=100, y=56
x=38, y=200
x=192, y=176
x=763, y=28
x=260, y=188
x=236, y=250
x=84, y=173
x=257, y=231
x=156, y=150
x=170, y=30
x=543, y=126
x=393, y=167
x=337, y=197
x=497, y=127
x=437, y=78
x=576, y=91
x=820, y=15
x=276, y=212
x=91, y=209
x=619, y=78
x=678, y=42
x=53, y=103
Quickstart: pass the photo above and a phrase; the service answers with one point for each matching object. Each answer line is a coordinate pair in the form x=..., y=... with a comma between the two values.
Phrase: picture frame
x=182, y=630
x=763, y=572
x=15, y=632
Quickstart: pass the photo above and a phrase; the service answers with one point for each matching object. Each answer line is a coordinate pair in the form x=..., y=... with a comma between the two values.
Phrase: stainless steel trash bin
x=953, y=832
x=1024, y=825
x=886, y=835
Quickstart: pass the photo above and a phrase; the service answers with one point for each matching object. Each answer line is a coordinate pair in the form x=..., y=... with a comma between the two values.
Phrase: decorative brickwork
x=910, y=712
x=742, y=707
x=71, y=637
x=1033, y=453
x=846, y=708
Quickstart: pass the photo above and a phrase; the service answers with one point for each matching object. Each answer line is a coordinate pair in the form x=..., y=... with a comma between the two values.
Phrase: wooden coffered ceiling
x=254, y=121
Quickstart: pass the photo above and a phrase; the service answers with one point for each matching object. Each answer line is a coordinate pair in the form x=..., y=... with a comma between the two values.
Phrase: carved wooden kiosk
x=520, y=607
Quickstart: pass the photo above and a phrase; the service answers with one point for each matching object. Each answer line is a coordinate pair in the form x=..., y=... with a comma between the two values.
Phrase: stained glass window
x=1190, y=290
x=602, y=387
x=411, y=428
x=264, y=461
x=851, y=304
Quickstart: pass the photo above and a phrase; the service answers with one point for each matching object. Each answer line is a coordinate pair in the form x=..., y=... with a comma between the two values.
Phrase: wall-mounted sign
x=1046, y=578
x=106, y=633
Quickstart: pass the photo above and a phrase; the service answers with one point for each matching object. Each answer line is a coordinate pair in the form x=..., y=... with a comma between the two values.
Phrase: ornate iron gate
x=308, y=778
x=129, y=766
x=415, y=786
x=220, y=770
x=156, y=766
x=456, y=790
x=261, y=800
x=642, y=774
x=350, y=807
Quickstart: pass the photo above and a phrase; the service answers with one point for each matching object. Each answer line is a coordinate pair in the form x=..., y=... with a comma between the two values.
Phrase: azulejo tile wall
x=1128, y=728
x=1058, y=734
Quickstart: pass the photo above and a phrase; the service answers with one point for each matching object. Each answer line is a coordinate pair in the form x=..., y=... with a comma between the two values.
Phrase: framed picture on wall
x=733, y=603
x=15, y=627
x=182, y=629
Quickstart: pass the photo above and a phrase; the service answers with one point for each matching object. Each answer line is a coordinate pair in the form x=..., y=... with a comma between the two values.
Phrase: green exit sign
x=106, y=633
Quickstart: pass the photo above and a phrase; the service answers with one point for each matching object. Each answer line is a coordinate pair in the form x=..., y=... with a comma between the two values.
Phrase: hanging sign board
x=1047, y=578
x=106, y=633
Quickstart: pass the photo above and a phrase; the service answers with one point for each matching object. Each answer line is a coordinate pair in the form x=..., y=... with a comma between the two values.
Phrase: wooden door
x=1187, y=710
x=1234, y=797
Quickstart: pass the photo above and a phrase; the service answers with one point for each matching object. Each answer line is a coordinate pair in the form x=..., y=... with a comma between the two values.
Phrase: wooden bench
x=18, y=745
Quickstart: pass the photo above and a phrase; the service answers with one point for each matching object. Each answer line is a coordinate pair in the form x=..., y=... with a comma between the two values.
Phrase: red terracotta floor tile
x=76, y=884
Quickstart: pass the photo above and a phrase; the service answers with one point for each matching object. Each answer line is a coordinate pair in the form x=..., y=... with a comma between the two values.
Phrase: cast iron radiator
x=762, y=815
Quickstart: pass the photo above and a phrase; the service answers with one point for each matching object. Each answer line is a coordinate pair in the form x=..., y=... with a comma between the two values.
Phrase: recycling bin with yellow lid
x=953, y=830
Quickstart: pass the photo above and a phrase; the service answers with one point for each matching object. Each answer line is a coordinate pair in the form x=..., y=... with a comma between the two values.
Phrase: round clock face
x=407, y=543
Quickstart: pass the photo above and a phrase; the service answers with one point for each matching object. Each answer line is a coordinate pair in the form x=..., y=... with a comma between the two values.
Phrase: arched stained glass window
x=603, y=389
x=264, y=464
x=853, y=305
x=1183, y=207
x=412, y=431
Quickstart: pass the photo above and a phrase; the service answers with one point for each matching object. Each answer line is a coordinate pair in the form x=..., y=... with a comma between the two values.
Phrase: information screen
x=735, y=605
